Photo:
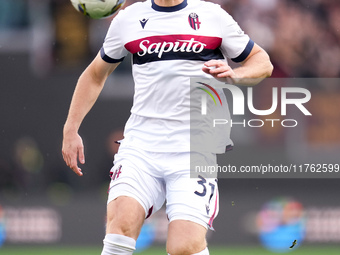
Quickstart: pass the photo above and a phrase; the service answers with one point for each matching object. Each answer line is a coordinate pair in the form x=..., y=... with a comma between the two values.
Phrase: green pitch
x=308, y=250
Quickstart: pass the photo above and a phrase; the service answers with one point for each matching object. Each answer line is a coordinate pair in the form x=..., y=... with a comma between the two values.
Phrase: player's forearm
x=254, y=70
x=85, y=95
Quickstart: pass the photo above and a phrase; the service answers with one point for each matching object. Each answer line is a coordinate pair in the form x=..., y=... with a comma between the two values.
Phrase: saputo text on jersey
x=178, y=46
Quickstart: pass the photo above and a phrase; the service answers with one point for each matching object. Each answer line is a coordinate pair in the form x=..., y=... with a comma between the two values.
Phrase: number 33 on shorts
x=206, y=191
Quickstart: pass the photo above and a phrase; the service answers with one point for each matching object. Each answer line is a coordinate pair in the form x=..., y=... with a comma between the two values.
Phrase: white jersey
x=169, y=46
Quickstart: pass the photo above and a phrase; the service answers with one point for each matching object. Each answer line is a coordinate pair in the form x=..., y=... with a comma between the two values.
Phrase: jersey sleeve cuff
x=245, y=52
x=108, y=59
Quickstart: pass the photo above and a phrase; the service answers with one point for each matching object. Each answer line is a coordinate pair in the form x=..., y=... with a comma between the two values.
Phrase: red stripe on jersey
x=177, y=42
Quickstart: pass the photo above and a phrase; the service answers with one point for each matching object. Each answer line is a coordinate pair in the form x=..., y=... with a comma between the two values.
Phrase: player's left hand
x=218, y=69
x=72, y=150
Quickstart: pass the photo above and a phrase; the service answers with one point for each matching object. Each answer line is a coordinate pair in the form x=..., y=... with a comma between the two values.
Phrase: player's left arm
x=252, y=70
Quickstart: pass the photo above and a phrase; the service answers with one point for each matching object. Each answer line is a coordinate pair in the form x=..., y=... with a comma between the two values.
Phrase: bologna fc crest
x=194, y=21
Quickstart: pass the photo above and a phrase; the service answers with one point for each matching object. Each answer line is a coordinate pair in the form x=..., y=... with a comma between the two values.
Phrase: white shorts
x=153, y=177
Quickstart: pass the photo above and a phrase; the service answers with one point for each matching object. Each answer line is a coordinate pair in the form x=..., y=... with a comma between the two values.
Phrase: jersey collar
x=169, y=9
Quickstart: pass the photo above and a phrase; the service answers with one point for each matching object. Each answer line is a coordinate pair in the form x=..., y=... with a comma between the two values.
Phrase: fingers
x=218, y=69
x=74, y=164
x=71, y=155
x=81, y=155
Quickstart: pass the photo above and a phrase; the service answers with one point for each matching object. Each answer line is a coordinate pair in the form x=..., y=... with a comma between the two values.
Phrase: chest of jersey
x=187, y=34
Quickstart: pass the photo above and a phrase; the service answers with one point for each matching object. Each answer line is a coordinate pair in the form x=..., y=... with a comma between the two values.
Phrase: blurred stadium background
x=44, y=207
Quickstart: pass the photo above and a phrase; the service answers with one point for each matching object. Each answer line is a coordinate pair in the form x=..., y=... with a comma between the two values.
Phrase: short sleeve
x=236, y=45
x=113, y=50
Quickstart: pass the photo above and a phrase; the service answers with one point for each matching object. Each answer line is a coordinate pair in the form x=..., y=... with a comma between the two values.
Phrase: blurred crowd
x=302, y=36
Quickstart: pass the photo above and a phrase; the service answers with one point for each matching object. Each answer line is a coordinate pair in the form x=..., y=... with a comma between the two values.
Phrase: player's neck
x=168, y=3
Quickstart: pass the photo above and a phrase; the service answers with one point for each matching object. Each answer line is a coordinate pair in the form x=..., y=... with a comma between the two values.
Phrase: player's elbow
x=92, y=77
x=269, y=68
x=262, y=58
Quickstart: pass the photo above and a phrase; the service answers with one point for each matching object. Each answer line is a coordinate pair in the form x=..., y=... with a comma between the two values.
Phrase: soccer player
x=170, y=41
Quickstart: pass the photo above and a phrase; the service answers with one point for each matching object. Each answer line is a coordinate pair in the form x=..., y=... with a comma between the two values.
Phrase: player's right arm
x=89, y=86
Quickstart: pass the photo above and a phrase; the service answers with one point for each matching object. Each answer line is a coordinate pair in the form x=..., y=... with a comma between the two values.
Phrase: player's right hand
x=72, y=150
